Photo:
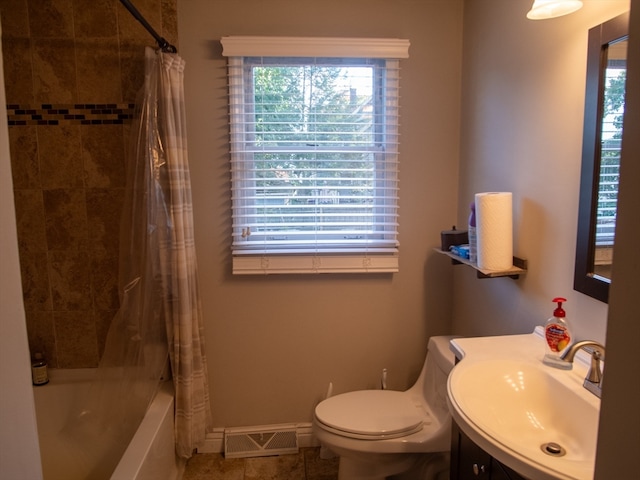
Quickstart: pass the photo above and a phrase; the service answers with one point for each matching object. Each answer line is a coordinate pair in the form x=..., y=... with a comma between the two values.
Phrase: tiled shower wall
x=72, y=72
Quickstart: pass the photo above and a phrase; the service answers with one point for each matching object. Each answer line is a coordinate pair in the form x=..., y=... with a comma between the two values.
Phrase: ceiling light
x=543, y=9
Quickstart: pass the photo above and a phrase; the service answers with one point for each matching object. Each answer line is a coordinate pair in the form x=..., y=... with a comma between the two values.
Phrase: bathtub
x=149, y=456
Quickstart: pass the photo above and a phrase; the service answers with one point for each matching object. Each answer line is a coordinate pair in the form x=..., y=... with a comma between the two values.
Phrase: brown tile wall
x=72, y=72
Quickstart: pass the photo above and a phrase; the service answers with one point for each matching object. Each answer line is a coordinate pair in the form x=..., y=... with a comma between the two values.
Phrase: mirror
x=602, y=137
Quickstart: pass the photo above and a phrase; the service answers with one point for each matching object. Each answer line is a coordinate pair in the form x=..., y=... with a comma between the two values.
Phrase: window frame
x=379, y=256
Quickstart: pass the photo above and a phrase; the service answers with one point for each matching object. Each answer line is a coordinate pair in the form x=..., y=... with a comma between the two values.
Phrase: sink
x=538, y=420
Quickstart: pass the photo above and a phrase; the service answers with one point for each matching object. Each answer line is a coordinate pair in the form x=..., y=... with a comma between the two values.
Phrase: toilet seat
x=372, y=414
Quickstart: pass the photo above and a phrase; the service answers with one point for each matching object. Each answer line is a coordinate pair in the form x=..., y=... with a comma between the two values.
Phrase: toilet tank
x=432, y=383
x=440, y=351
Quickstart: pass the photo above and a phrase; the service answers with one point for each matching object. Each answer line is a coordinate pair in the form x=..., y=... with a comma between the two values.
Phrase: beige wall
x=274, y=343
x=522, y=111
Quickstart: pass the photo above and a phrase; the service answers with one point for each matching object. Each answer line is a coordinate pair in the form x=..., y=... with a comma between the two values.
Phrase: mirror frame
x=600, y=37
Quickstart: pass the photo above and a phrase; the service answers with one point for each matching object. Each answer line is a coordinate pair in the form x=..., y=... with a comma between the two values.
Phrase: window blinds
x=314, y=153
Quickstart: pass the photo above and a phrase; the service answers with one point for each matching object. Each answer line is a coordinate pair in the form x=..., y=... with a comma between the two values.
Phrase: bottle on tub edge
x=39, y=373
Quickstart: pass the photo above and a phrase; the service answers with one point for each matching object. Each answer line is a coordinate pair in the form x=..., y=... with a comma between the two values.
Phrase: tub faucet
x=593, y=380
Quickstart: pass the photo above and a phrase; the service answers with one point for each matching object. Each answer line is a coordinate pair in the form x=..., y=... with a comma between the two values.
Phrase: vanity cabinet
x=470, y=462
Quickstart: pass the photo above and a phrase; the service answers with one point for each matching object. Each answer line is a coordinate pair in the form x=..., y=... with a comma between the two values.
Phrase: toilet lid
x=372, y=413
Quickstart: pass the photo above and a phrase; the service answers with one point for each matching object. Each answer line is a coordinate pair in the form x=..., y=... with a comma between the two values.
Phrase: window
x=615, y=78
x=611, y=132
x=314, y=154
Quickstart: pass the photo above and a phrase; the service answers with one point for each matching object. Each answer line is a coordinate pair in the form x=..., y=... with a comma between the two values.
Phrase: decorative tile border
x=74, y=114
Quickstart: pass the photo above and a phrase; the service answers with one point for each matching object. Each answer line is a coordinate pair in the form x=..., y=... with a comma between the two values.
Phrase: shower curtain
x=182, y=307
x=160, y=316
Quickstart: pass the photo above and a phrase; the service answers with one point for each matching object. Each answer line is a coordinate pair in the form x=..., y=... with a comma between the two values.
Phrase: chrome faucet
x=593, y=380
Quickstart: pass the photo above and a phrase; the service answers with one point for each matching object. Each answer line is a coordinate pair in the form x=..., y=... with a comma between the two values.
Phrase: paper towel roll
x=494, y=230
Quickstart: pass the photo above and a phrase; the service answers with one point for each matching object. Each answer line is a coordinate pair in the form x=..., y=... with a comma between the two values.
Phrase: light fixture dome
x=542, y=9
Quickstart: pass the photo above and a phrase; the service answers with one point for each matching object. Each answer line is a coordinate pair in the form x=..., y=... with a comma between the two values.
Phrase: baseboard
x=214, y=441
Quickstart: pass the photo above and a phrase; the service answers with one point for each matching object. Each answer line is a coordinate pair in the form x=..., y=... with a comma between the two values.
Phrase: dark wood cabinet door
x=470, y=462
x=500, y=471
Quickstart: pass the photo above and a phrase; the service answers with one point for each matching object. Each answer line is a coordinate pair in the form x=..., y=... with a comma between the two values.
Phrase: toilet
x=380, y=433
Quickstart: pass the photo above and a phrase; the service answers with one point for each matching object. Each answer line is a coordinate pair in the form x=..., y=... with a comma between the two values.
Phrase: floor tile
x=317, y=468
x=275, y=468
x=305, y=465
x=213, y=466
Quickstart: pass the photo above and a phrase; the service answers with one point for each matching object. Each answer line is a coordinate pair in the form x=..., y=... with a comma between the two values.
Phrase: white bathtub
x=149, y=456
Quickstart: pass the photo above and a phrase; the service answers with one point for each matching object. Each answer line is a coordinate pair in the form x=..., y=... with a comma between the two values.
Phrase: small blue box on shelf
x=460, y=250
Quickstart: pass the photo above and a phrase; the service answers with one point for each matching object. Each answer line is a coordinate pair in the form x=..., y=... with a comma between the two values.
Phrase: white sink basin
x=521, y=411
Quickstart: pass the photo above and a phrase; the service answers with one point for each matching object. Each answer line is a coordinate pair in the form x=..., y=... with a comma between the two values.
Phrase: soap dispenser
x=557, y=337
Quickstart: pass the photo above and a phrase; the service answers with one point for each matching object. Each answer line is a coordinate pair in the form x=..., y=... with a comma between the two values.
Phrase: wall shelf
x=519, y=266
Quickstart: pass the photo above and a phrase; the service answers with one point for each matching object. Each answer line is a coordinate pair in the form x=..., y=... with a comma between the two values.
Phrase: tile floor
x=306, y=465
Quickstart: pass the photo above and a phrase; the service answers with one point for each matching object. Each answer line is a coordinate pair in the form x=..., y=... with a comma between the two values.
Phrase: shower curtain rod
x=162, y=43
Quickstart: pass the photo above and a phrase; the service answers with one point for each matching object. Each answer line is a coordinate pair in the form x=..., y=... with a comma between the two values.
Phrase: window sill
x=304, y=264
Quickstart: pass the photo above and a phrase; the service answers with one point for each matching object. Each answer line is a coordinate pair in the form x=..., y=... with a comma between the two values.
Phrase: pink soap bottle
x=557, y=337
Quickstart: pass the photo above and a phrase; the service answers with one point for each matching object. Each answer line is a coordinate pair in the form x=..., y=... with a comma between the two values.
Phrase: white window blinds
x=615, y=78
x=314, y=153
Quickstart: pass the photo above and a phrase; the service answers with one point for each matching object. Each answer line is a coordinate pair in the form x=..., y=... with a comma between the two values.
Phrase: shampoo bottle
x=473, y=238
x=557, y=337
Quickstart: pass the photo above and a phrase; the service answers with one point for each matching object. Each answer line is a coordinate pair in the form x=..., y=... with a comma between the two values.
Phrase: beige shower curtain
x=178, y=265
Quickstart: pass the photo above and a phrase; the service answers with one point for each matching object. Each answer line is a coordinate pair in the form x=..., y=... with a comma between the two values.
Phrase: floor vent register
x=260, y=442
